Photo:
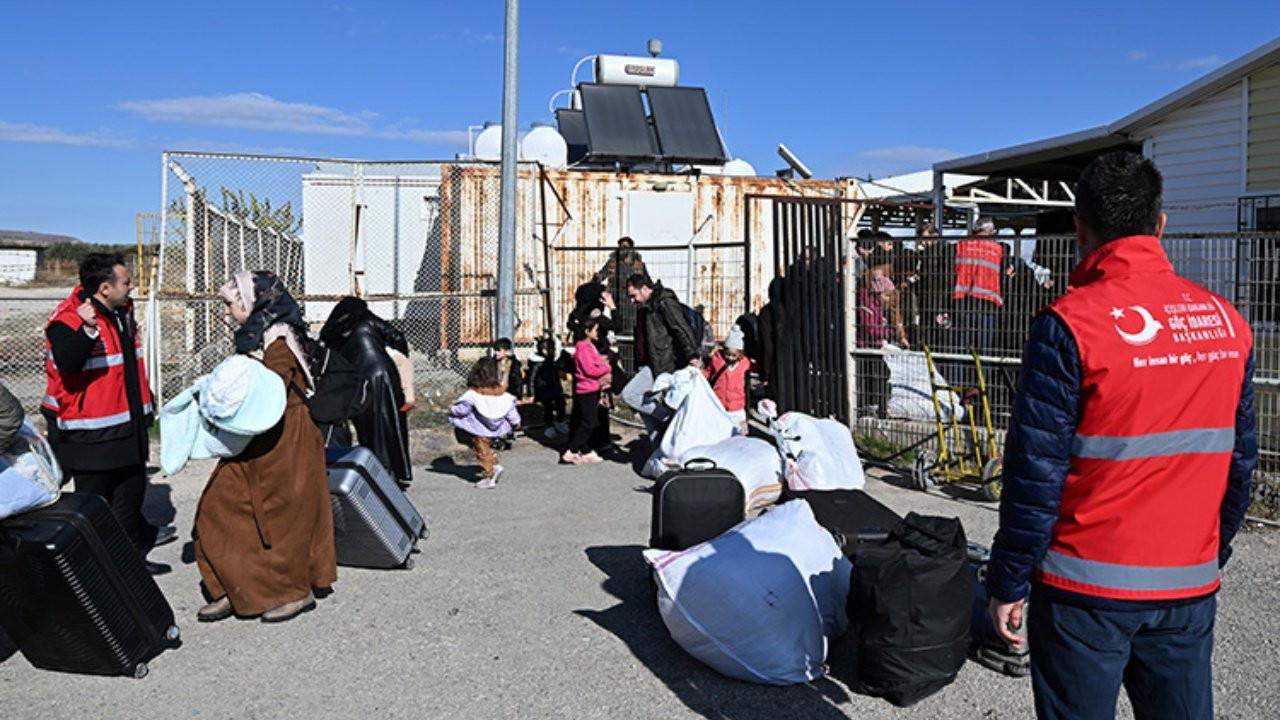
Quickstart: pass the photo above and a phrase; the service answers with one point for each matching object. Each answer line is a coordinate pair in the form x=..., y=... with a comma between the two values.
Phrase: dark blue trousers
x=1080, y=657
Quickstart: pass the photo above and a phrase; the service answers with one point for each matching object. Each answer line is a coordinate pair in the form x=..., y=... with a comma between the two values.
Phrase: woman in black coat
x=362, y=338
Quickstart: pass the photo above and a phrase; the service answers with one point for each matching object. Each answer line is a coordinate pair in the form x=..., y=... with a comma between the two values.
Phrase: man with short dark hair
x=663, y=337
x=97, y=401
x=1127, y=467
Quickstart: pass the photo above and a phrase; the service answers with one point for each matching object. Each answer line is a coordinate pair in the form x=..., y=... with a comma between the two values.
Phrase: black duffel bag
x=910, y=604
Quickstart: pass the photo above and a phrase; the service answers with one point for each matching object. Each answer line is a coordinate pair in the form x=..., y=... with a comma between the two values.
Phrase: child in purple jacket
x=590, y=375
x=485, y=411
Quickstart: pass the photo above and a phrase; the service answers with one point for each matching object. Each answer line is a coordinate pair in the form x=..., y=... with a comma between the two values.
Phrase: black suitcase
x=851, y=516
x=74, y=593
x=695, y=504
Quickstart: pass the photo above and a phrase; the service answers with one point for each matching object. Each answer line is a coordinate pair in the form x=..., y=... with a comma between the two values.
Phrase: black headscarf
x=268, y=304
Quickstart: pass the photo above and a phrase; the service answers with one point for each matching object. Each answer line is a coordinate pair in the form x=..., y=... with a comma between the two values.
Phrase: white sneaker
x=497, y=470
x=487, y=483
x=590, y=458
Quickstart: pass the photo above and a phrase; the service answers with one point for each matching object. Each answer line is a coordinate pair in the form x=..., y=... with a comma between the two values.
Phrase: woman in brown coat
x=264, y=528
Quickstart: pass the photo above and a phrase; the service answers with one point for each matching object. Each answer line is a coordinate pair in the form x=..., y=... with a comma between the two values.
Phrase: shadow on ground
x=635, y=621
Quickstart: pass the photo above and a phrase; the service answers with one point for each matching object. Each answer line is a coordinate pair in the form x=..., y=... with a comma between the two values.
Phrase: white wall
x=17, y=265
x=1199, y=150
x=397, y=221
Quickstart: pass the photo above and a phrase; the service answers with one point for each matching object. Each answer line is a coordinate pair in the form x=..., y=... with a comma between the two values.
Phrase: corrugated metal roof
x=1118, y=133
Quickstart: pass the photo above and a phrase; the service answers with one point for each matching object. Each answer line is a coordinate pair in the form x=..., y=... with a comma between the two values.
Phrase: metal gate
x=810, y=357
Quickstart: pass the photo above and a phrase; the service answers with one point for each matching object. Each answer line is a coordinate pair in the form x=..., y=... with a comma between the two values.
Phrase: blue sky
x=91, y=93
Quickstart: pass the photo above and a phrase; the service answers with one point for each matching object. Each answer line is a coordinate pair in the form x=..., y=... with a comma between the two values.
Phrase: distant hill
x=26, y=238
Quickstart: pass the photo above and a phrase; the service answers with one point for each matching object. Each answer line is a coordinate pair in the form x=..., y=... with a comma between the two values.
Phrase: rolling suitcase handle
x=700, y=464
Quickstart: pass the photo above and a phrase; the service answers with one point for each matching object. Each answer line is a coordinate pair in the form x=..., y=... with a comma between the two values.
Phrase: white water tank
x=739, y=168
x=489, y=142
x=545, y=145
x=626, y=70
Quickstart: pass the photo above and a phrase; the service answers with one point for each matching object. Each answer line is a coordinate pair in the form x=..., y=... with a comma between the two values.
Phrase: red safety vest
x=1162, y=362
x=978, y=264
x=93, y=398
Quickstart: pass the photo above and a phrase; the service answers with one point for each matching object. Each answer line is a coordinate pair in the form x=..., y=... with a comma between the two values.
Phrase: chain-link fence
x=418, y=240
x=904, y=289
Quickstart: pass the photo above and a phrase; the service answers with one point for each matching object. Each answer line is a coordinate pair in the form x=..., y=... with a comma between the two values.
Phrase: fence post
x=507, y=190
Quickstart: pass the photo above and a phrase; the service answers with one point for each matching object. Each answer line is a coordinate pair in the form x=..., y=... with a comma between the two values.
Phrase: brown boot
x=289, y=611
x=219, y=609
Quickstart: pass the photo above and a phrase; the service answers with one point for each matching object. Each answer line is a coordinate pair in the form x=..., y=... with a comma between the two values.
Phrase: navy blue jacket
x=1037, y=457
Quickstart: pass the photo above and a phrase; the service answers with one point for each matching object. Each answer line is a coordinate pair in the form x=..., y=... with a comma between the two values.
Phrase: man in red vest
x=979, y=264
x=1127, y=467
x=97, y=402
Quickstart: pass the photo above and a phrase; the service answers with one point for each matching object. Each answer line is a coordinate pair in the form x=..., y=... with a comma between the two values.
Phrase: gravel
x=532, y=601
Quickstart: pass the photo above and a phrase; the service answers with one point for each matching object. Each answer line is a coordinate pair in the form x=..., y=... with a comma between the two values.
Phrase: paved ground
x=532, y=601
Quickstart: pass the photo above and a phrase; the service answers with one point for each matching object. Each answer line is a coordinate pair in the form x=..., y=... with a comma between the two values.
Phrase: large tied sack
x=754, y=462
x=910, y=394
x=760, y=602
x=910, y=605
x=699, y=419
x=817, y=454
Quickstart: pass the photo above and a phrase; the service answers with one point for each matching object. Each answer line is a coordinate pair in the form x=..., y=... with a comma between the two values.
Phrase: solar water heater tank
x=627, y=70
x=546, y=145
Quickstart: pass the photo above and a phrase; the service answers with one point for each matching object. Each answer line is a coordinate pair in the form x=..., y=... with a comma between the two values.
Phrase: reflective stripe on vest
x=1129, y=577
x=99, y=423
x=980, y=263
x=975, y=290
x=1178, y=442
x=51, y=402
x=96, y=363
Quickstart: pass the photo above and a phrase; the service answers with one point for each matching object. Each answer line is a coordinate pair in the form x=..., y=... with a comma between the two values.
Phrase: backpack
x=910, y=605
x=341, y=393
x=702, y=334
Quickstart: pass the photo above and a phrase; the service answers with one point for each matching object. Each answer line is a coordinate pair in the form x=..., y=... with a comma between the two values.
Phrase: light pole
x=507, y=209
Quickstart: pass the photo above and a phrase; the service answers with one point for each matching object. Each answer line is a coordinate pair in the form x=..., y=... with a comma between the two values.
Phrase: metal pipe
x=507, y=210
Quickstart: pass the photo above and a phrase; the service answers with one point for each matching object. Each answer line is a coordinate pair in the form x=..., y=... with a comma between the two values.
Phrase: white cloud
x=252, y=111
x=455, y=138
x=1207, y=62
x=894, y=160
x=1136, y=55
x=255, y=111
x=40, y=134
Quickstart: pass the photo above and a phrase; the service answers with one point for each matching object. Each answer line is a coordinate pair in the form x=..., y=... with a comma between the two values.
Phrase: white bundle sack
x=699, y=419
x=760, y=602
x=754, y=462
x=817, y=454
x=909, y=390
x=30, y=477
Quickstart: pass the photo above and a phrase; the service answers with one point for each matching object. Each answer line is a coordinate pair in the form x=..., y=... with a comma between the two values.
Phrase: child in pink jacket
x=590, y=374
x=727, y=373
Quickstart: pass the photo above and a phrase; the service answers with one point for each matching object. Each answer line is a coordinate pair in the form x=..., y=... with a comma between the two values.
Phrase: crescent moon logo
x=1150, y=326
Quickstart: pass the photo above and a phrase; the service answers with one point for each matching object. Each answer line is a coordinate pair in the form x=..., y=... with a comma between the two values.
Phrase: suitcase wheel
x=408, y=563
x=173, y=634
x=140, y=670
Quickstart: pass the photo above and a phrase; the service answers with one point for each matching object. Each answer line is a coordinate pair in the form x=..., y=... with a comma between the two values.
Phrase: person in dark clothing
x=623, y=262
x=775, y=341
x=360, y=336
x=511, y=377
x=510, y=371
x=664, y=338
x=544, y=385
x=97, y=401
x=933, y=289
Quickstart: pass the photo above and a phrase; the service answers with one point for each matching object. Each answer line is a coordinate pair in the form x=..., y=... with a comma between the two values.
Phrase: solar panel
x=686, y=131
x=616, y=124
x=573, y=128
